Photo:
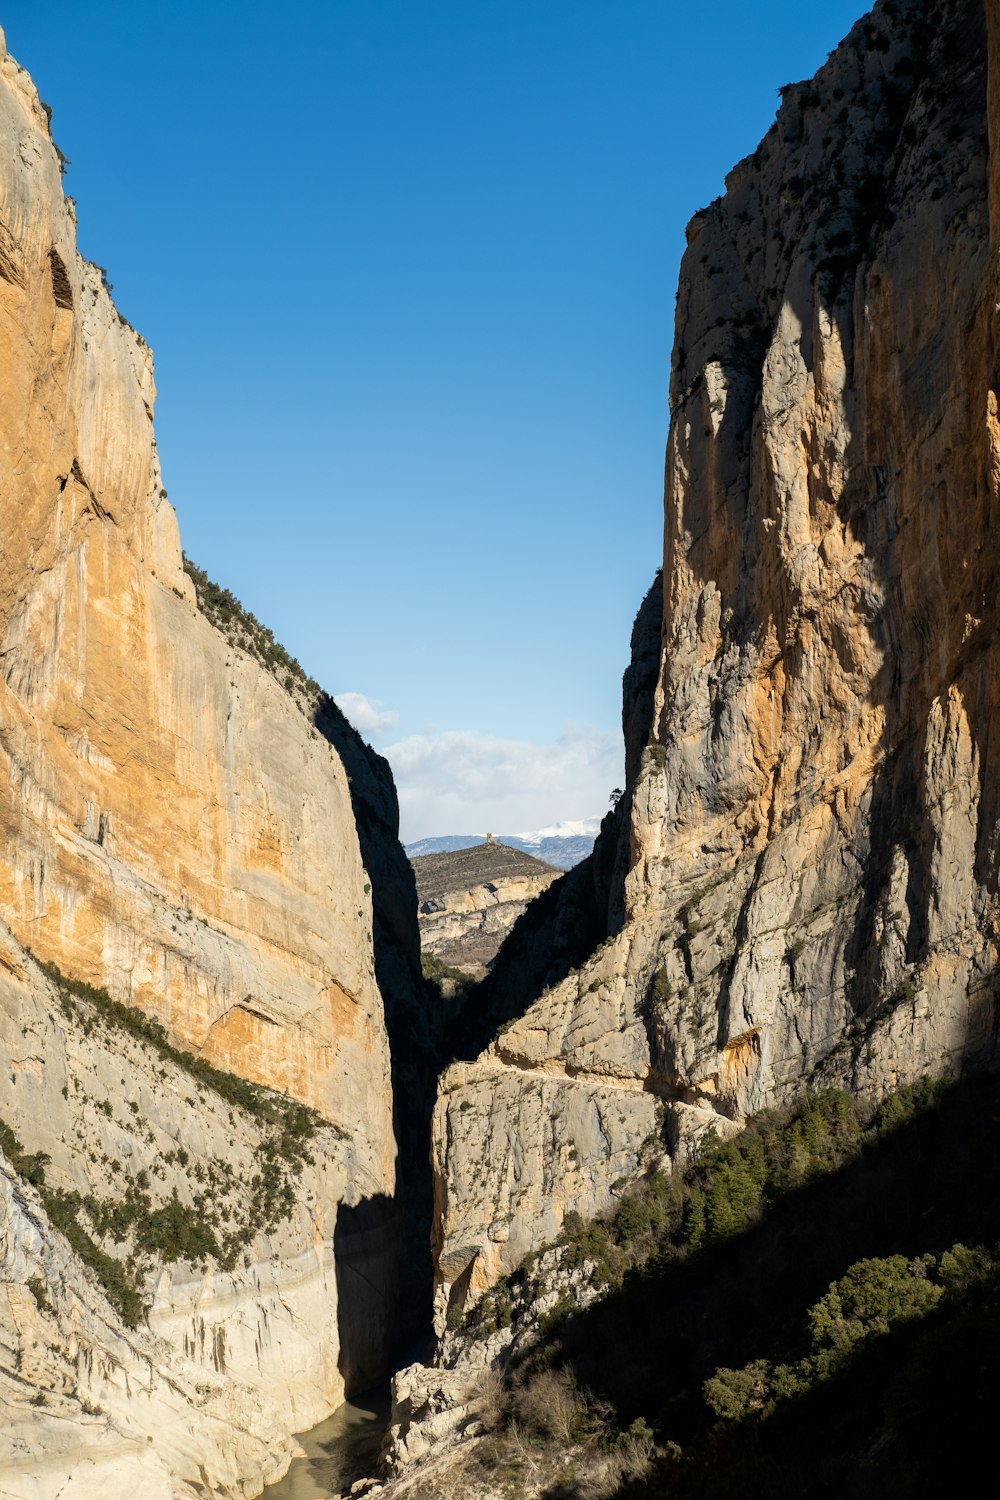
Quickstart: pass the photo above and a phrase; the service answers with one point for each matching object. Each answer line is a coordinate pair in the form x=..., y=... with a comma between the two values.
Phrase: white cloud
x=366, y=716
x=460, y=782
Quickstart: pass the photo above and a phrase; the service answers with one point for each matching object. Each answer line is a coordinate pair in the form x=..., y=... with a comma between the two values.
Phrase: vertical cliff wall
x=830, y=672
x=808, y=889
x=180, y=833
x=173, y=828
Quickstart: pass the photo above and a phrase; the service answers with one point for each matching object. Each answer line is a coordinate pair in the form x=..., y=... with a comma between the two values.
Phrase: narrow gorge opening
x=699, y=1179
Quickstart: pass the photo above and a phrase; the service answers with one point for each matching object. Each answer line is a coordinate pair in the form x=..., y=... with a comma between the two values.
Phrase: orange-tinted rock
x=177, y=830
x=173, y=826
x=806, y=888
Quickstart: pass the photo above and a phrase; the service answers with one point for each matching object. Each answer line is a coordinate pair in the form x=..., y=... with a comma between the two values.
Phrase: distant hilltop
x=562, y=844
x=468, y=900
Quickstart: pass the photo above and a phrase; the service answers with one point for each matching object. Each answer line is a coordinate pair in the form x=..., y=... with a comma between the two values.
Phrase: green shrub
x=637, y=1216
x=730, y=1182
x=63, y=1209
x=207, y=1228
x=663, y=990
x=223, y=610
x=36, y=1286
x=435, y=970
x=733, y=1394
x=177, y=1232
x=30, y=1167
x=874, y=1298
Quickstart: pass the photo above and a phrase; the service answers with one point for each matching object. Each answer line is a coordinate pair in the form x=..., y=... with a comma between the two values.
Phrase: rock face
x=177, y=832
x=174, y=830
x=231, y=1357
x=470, y=899
x=805, y=885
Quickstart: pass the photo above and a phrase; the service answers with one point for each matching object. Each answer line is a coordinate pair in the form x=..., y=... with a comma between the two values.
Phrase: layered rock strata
x=180, y=834
x=807, y=885
x=469, y=900
x=231, y=1355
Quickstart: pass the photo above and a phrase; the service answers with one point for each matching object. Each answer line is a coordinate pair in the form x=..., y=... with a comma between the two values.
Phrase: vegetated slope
x=469, y=899
x=201, y=881
x=811, y=1307
x=170, y=1302
x=802, y=873
x=438, y=875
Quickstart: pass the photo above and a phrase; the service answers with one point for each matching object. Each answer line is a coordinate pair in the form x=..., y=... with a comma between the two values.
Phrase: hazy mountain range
x=562, y=844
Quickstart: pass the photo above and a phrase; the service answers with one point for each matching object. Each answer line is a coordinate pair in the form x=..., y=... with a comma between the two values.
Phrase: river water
x=339, y=1451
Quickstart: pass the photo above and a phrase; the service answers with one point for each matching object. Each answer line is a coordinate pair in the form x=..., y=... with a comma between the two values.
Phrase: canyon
x=212, y=1015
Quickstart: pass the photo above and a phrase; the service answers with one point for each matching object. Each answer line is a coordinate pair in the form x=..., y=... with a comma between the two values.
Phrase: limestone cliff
x=174, y=829
x=179, y=834
x=807, y=884
x=188, y=1360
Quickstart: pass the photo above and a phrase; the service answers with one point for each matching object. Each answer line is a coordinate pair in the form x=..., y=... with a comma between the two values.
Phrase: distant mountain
x=446, y=844
x=561, y=844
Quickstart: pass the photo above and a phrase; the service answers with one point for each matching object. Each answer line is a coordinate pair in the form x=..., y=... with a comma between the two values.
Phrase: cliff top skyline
x=408, y=276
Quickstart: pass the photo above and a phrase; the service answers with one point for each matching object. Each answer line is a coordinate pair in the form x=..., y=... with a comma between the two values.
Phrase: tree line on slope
x=813, y=1305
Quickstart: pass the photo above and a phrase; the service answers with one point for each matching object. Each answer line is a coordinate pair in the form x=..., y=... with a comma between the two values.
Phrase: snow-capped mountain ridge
x=582, y=828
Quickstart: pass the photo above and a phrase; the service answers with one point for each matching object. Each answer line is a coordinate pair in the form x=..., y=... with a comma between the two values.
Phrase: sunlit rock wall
x=808, y=883
x=173, y=827
x=176, y=830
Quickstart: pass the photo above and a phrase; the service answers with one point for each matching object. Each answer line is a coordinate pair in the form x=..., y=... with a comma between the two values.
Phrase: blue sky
x=408, y=270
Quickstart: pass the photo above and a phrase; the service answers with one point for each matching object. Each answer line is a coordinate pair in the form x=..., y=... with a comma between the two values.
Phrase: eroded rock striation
x=239, y=1342
x=180, y=833
x=803, y=879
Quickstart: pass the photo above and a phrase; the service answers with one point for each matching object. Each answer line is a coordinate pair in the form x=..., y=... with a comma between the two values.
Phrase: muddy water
x=339, y=1451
